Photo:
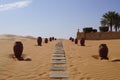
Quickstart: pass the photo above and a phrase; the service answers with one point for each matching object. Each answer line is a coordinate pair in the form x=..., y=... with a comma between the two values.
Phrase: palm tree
x=110, y=18
x=117, y=22
x=104, y=22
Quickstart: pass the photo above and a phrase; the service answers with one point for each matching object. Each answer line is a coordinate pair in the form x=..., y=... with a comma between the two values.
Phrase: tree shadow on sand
x=22, y=58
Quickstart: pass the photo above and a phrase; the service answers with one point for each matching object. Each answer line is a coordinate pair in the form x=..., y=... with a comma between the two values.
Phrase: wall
x=99, y=35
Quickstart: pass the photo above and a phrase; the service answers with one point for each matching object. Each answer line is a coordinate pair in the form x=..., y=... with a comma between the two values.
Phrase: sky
x=58, y=18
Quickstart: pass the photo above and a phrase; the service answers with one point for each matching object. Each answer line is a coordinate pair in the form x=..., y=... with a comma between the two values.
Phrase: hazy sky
x=59, y=18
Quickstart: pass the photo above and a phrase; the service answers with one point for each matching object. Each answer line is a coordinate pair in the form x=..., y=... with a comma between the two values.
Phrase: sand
x=82, y=62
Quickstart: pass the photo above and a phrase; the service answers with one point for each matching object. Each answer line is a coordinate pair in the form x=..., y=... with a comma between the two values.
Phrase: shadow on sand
x=95, y=56
x=115, y=60
x=21, y=58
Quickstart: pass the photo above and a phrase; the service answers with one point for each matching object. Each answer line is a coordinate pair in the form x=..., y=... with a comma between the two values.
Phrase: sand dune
x=15, y=37
x=82, y=62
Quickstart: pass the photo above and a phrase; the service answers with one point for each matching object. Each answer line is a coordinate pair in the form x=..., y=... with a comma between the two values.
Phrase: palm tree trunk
x=116, y=27
x=111, y=27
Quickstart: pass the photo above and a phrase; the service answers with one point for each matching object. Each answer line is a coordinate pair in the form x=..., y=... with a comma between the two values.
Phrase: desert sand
x=82, y=61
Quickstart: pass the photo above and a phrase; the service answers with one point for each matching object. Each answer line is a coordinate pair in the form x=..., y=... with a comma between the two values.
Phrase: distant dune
x=82, y=62
x=15, y=37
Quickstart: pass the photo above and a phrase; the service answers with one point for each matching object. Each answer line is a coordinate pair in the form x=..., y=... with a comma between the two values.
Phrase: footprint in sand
x=76, y=72
x=70, y=57
x=71, y=65
x=42, y=73
x=86, y=78
x=9, y=76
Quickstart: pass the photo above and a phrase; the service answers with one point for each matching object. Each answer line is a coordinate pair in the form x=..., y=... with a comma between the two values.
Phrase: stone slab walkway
x=58, y=58
x=58, y=75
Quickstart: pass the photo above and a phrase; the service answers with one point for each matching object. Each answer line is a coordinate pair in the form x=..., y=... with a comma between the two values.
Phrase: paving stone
x=58, y=58
x=59, y=44
x=58, y=47
x=58, y=75
x=58, y=68
x=58, y=61
x=59, y=52
x=59, y=55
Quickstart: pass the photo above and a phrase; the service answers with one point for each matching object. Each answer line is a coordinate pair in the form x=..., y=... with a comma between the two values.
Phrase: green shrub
x=87, y=29
x=94, y=30
x=103, y=29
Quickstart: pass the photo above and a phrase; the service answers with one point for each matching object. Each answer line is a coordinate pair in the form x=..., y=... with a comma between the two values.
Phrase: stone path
x=58, y=63
x=58, y=75
x=58, y=58
x=58, y=68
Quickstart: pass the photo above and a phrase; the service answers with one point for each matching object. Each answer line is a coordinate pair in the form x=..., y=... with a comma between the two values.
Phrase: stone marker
x=46, y=40
x=18, y=49
x=103, y=51
x=50, y=39
x=39, y=41
x=76, y=41
x=82, y=42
